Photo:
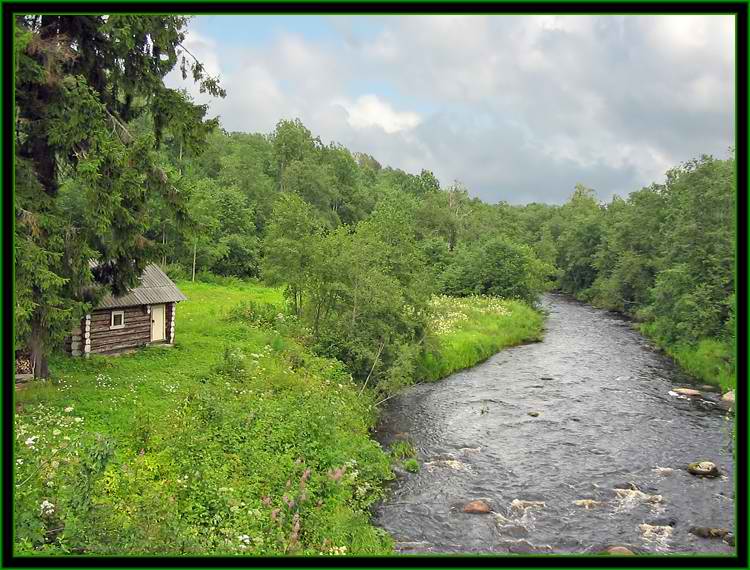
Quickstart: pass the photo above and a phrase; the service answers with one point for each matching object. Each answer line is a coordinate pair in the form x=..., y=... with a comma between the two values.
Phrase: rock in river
x=707, y=532
x=703, y=469
x=534, y=414
x=587, y=503
x=729, y=396
x=620, y=550
x=477, y=508
x=688, y=392
x=520, y=504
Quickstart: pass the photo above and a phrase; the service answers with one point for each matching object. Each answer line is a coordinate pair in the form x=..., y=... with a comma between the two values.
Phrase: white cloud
x=520, y=107
x=370, y=111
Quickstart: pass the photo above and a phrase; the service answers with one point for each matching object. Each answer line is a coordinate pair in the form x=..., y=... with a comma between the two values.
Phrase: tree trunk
x=39, y=365
x=195, y=252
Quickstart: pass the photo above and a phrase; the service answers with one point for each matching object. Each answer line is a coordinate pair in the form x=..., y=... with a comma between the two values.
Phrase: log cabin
x=143, y=316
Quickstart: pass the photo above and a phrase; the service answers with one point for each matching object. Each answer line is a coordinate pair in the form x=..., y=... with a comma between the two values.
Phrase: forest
x=354, y=242
x=111, y=164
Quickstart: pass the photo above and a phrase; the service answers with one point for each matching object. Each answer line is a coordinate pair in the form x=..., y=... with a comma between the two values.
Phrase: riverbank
x=471, y=329
x=710, y=361
x=237, y=440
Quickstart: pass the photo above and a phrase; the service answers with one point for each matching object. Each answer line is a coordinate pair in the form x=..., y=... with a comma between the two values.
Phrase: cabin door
x=157, y=323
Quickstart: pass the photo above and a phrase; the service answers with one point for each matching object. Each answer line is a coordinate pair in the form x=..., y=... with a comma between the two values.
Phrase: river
x=605, y=420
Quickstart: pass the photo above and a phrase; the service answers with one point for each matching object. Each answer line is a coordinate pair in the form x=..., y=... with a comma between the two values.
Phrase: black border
x=410, y=7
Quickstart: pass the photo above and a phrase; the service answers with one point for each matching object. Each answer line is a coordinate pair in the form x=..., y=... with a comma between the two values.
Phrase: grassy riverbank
x=237, y=440
x=469, y=330
x=710, y=361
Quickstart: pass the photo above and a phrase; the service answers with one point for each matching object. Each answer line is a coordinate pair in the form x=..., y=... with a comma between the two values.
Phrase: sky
x=516, y=108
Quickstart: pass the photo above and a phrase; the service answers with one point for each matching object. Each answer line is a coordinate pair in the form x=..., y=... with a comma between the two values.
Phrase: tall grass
x=469, y=330
x=237, y=440
x=709, y=360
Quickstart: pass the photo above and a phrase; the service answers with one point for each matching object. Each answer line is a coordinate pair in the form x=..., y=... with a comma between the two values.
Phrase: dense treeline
x=665, y=256
x=360, y=248
x=291, y=210
x=135, y=173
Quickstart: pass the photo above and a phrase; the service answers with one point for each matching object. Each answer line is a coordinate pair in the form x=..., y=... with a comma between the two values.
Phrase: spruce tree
x=83, y=174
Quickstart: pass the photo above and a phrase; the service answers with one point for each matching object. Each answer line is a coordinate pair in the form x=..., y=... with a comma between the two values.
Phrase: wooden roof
x=155, y=288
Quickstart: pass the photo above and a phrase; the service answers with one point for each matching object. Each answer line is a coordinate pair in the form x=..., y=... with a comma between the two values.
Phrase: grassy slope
x=471, y=330
x=710, y=360
x=205, y=459
x=212, y=438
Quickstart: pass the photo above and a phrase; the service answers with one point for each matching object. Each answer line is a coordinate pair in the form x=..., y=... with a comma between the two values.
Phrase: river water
x=606, y=419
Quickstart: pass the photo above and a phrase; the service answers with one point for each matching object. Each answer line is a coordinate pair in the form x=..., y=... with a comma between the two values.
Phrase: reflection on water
x=602, y=464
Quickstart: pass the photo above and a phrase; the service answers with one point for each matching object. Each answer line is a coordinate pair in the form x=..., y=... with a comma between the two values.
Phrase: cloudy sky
x=518, y=108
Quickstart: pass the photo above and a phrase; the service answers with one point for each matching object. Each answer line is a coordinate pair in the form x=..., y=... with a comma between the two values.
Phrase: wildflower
x=55, y=464
x=244, y=538
x=69, y=409
x=336, y=474
x=19, y=461
x=78, y=420
x=56, y=432
x=47, y=508
x=32, y=440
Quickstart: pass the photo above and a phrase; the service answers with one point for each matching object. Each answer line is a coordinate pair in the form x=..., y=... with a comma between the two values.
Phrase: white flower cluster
x=449, y=312
x=47, y=508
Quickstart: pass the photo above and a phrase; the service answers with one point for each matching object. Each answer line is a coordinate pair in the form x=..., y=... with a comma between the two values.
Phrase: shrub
x=175, y=271
x=411, y=465
x=402, y=450
x=257, y=313
x=499, y=268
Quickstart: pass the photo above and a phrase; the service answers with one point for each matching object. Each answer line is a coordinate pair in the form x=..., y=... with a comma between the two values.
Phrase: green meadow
x=236, y=440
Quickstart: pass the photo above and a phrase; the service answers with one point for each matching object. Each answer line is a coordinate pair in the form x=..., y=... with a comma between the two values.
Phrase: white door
x=157, y=323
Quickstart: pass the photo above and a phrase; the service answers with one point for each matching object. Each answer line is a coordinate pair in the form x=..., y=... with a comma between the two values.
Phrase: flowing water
x=606, y=419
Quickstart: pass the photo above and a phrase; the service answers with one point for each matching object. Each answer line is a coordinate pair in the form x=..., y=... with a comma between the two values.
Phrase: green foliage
x=362, y=293
x=709, y=359
x=257, y=313
x=665, y=255
x=467, y=330
x=87, y=175
x=411, y=465
x=498, y=268
x=290, y=244
x=236, y=441
x=403, y=449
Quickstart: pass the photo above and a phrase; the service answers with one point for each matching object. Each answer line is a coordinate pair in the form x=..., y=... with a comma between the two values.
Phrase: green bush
x=411, y=465
x=403, y=450
x=175, y=271
x=257, y=313
x=498, y=268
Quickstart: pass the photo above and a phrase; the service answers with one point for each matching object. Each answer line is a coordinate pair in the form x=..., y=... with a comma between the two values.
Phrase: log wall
x=170, y=315
x=137, y=330
x=94, y=335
